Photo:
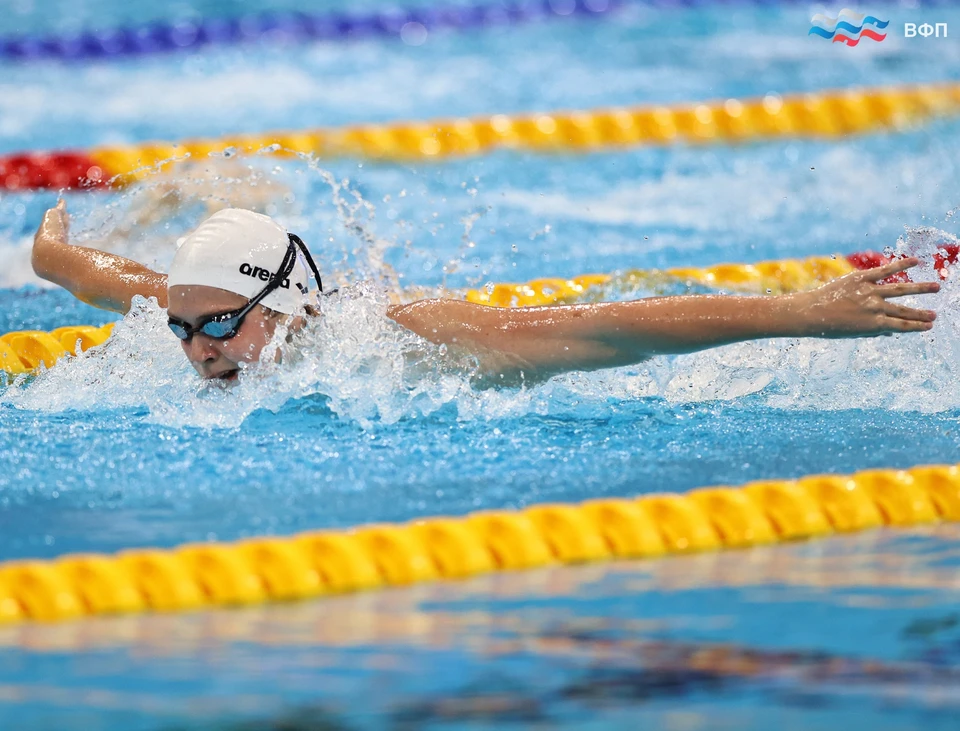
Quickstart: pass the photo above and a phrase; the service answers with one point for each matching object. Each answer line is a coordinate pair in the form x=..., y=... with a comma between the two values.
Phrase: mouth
x=230, y=375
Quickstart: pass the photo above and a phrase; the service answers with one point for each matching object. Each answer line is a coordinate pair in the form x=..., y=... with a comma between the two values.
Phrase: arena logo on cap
x=260, y=273
x=848, y=27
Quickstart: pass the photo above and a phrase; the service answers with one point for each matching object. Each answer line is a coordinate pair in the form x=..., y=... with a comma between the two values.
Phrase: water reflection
x=857, y=622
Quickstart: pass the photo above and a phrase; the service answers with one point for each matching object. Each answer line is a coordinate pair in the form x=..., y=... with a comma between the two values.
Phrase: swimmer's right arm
x=98, y=278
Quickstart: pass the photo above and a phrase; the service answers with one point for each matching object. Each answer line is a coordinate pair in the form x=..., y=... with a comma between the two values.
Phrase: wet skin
x=212, y=357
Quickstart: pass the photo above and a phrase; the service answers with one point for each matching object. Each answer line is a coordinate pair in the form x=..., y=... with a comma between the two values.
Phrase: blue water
x=124, y=448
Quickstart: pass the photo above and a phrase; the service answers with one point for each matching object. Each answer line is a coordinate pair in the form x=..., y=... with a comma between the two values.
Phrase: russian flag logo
x=848, y=27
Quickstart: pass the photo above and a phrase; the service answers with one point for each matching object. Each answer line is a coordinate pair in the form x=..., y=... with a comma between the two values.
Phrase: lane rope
x=779, y=276
x=826, y=114
x=413, y=25
x=25, y=351
x=260, y=570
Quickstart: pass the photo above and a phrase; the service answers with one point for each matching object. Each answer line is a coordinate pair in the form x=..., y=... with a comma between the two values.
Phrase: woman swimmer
x=240, y=273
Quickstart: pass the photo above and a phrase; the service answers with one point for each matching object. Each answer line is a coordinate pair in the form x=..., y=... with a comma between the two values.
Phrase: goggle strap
x=294, y=239
x=286, y=267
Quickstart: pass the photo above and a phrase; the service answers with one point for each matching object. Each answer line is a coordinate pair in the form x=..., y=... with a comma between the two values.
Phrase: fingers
x=51, y=221
x=56, y=213
x=54, y=226
x=907, y=288
x=908, y=313
x=897, y=265
x=64, y=216
x=56, y=220
x=895, y=324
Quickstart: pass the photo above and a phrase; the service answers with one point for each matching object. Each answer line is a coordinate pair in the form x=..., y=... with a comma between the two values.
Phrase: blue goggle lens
x=217, y=329
x=179, y=330
x=222, y=329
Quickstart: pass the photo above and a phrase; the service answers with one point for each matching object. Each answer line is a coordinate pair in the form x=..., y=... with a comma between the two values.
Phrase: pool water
x=124, y=447
x=734, y=640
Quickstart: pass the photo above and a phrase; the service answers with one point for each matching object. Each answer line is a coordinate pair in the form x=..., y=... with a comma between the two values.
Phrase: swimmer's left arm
x=544, y=341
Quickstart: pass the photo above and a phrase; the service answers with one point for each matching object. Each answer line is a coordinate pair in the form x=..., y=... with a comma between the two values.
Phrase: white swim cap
x=240, y=251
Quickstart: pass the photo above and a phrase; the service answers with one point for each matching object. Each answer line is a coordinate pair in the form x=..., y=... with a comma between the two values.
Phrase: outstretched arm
x=103, y=280
x=544, y=341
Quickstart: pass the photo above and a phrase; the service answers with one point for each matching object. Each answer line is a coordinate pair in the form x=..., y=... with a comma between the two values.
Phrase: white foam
x=368, y=367
x=170, y=94
x=17, y=270
x=909, y=372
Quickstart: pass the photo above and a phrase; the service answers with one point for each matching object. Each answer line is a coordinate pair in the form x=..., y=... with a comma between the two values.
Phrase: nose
x=200, y=349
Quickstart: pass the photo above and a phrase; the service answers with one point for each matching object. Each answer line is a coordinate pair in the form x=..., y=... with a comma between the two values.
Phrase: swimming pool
x=106, y=452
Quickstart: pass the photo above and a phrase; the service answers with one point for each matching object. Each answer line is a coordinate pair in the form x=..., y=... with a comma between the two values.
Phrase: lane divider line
x=826, y=114
x=260, y=570
x=412, y=25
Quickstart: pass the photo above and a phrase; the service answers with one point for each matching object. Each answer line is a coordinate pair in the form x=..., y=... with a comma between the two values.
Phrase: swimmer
x=240, y=274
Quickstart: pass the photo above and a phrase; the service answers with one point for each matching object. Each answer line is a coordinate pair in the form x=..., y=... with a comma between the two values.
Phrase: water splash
x=913, y=372
x=367, y=369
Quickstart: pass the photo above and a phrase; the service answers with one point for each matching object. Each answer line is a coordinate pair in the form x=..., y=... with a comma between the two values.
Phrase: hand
x=855, y=305
x=53, y=233
x=55, y=225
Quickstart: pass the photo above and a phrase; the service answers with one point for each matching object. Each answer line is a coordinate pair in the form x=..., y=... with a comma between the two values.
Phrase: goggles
x=226, y=325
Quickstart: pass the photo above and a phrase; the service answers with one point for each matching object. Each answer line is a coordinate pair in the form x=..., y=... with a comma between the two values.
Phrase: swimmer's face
x=214, y=358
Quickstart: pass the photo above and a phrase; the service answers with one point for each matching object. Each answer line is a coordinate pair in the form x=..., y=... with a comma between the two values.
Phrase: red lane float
x=50, y=171
x=946, y=256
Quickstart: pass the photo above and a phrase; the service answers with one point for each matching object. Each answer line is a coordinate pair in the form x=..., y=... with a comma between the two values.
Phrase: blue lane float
x=291, y=27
